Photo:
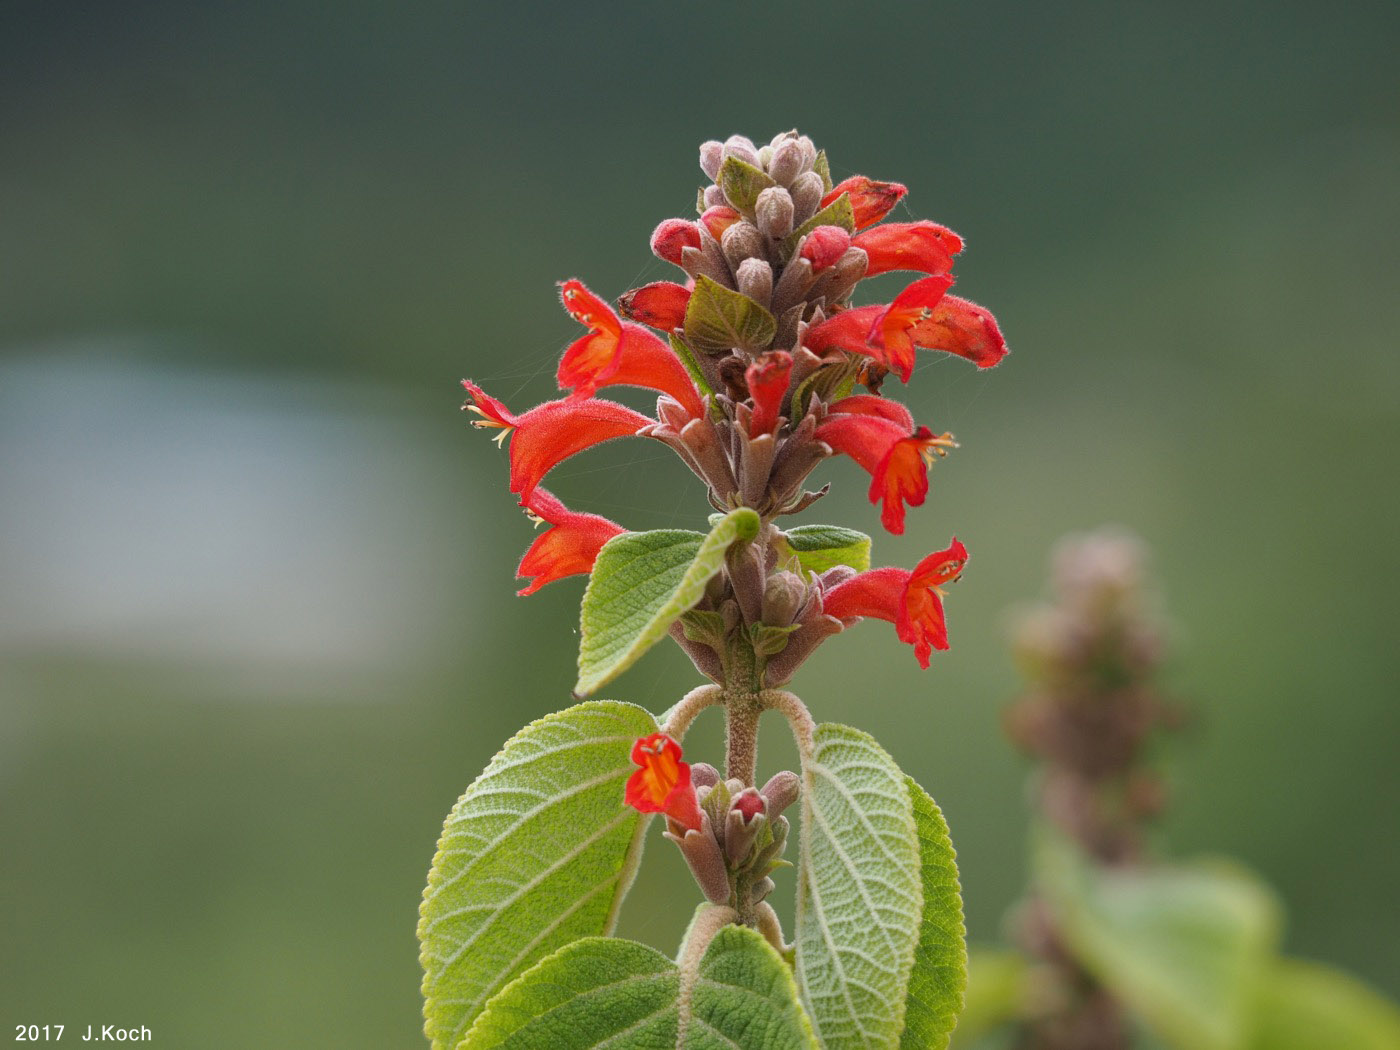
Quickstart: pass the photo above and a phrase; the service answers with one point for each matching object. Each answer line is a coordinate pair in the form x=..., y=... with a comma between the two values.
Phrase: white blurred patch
x=287, y=535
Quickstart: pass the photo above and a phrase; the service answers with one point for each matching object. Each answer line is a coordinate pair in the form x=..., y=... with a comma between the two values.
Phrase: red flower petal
x=671, y=236
x=848, y=330
x=718, y=219
x=890, y=334
x=567, y=548
x=662, y=784
x=618, y=353
x=870, y=405
x=871, y=200
x=768, y=382
x=660, y=304
x=550, y=433
x=960, y=327
x=823, y=246
x=924, y=246
x=492, y=412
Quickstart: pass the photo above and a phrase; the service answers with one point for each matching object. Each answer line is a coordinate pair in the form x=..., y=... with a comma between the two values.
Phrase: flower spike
x=619, y=353
x=568, y=547
x=662, y=784
x=550, y=433
x=912, y=601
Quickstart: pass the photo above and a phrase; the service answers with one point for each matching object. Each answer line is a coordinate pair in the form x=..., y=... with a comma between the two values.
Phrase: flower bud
x=705, y=859
x=671, y=236
x=743, y=824
x=780, y=792
x=711, y=157
x=807, y=190
x=761, y=889
x=742, y=147
x=755, y=279
x=824, y=246
x=784, y=594
x=718, y=219
x=704, y=775
x=774, y=211
x=715, y=198
x=741, y=241
x=787, y=161
x=765, y=157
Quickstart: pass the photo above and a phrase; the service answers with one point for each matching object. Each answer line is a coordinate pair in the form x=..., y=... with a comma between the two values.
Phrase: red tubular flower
x=897, y=459
x=870, y=405
x=912, y=601
x=923, y=246
x=963, y=328
x=768, y=382
x=567, y=548
x=847, y=330
x=871, y=200
x=662, y=784
x=824, y=245
x=619, y=353
x=671, y=236
x=891, y=338
x=660, y=304
x=550, y=433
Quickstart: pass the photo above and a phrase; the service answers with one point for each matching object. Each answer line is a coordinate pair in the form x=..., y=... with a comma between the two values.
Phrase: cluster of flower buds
x=756, y=366
x=731, y=835
x=1091, y=656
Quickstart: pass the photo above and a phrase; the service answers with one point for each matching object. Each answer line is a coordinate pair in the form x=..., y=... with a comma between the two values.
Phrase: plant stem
x=741, y=736
x=678, y=719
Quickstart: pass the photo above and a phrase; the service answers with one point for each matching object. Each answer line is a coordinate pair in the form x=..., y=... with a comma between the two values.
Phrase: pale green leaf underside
x=822, y=547
x=860, y=901
x=939, y=978
x=1304, y=1006
x=718, y=319
x=602, y=992
x=538, y=852
x=641, y=583
x=1185, y=947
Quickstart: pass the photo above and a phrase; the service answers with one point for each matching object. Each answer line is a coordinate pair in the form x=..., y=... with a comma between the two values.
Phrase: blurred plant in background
x=1119, y=947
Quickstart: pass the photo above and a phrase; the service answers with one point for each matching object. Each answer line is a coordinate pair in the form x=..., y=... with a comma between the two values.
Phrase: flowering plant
x=757, y=363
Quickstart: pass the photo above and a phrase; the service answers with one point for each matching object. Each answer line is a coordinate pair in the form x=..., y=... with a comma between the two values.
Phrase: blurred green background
x=257, y=623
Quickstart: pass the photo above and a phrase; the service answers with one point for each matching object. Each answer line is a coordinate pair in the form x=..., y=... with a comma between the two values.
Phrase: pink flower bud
x=711, y=157
x=824, y=246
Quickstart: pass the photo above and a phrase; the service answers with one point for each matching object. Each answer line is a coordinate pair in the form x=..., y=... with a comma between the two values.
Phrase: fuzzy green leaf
x=641, y=583
x=1185, y=948
x=538, y=852
x=839, y=212
x=822, y=166
x=860, y=900
x=939, y=979
x=821, y=547
x=604, y=992
x=1304, y=1006
x=718, y=319
x=742, y=183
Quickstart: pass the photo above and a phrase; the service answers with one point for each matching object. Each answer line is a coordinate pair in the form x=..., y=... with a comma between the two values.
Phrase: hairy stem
x=677, y=720
x=741, y=736
x=799, y=718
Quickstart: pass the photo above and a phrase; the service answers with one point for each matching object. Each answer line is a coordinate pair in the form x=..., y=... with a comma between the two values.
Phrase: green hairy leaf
x=718, y=319
x=939, y=979
x=641, y=583
x=538, y=852
x=822, y=547
x=839, y=212
x=742, y=183
x=623, y=995
x=1185, y=948
x=1304, y=1006
x=822, y=167
x=860, y=904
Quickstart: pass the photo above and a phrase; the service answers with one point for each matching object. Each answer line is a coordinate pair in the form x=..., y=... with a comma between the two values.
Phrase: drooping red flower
x=871, y=200
x=896, y=454
x=660, y=304
x=912, y=601
x=961, y=327
x=550, y=433
x=619, y=353
x=891, y=333
x=767, y=379
x=568, y=547
x=923, y=246
x=662, y=784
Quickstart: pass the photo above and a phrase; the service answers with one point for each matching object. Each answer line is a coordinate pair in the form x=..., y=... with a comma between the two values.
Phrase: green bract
x=641, y=583
x=538, y=852
x=742, y=183
x=822, y=547
x=718, y=319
